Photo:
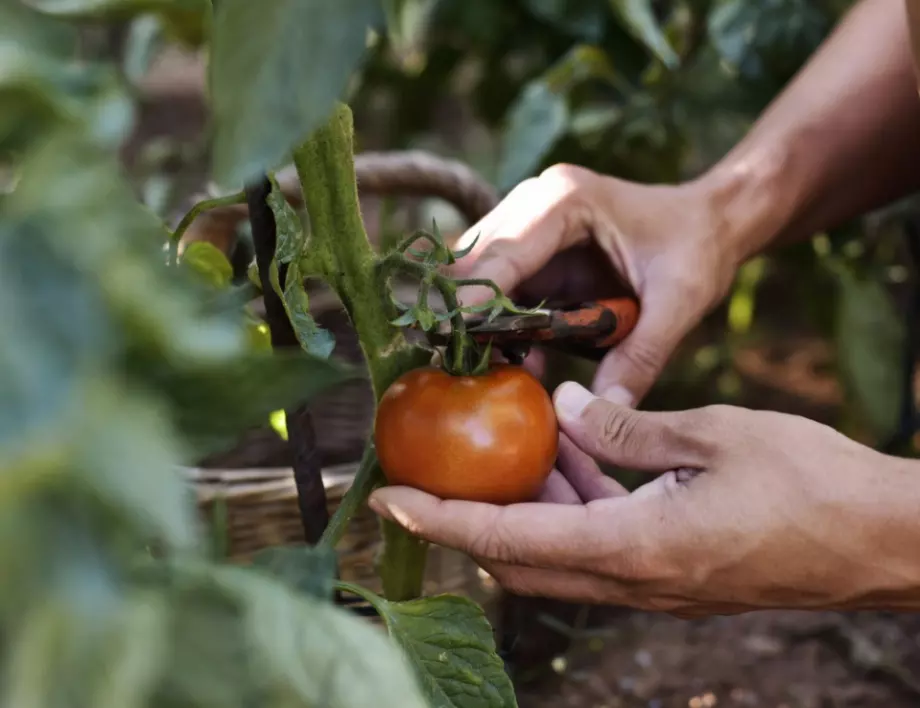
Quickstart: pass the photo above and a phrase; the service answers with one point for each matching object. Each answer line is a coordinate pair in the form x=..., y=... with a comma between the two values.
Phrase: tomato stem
x=344, y=258
x=368, y=477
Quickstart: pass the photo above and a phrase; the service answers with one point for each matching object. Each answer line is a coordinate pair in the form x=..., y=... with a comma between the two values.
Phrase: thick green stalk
x=339, y=249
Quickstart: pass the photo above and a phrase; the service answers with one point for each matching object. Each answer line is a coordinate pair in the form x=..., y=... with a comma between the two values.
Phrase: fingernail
x=571, y=399
x=618, y=395
x=379, y=508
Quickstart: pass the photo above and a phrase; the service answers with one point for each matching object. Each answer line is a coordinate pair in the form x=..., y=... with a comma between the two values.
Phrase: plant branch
x=325, y=166
x=311, y=494
x=367, y=478
x=202, y=206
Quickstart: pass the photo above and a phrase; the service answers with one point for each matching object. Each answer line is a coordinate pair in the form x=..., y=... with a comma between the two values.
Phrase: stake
x=311, y=494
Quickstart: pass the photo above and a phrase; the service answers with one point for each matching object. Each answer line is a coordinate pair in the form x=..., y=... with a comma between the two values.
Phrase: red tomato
x=489, y=438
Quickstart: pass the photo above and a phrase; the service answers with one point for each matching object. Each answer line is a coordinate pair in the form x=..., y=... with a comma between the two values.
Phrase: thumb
x=630, y=369
x=625, y=437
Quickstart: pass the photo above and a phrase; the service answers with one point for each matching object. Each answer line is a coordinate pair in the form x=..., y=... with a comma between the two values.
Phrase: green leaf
x=208, y=261
x=407, y=22
x=247, y=640
x=187, y=19
x=276, y=71
x=585, y=19
x=536, y=121
x=144, y=40
x=767, y=40
x=309, y=570
x=450, y=643
x=638, y=18
x=213, y=403
x=290, y=234
x=314, y=339
x=870, y=344
x=42, y=88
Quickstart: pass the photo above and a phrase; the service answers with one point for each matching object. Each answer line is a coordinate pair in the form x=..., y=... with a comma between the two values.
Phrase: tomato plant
x=489, y=438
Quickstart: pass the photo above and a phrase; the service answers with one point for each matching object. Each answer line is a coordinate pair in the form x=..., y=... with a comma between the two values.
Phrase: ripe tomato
x=488, y=438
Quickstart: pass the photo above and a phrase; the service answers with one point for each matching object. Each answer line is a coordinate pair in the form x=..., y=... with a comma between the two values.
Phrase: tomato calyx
x=462, y=356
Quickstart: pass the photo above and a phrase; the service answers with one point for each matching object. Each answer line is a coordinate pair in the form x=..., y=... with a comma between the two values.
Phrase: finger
x=573, y=586
x=558, y=536
x=629, y=438
x=583, y=475
x=558, y=490
x=535, y=362
x=630, y=369
x=533, y=232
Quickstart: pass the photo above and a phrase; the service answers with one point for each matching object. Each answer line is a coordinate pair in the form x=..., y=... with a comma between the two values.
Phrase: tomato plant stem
x=340, y=252
x=366, y=479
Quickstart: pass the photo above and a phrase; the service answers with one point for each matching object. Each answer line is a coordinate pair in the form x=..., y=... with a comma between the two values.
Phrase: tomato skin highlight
x=489, y=438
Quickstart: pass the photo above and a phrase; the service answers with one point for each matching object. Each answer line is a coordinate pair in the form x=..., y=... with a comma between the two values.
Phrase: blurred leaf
x=41, y=90
x=144, y=40
x=767, y=40
x=585, y=19
x=112, y=661
x=213, y=403
x=309, y=570
x=870, y=344
x=83, y=200
x=272, y=646
x=276, y=70
x=450, y=643
x=41, y=367
x=208, y=261
x=581, y=63
x=407, y=23
x=536, y=121
x=639, y=19
x=187, y=19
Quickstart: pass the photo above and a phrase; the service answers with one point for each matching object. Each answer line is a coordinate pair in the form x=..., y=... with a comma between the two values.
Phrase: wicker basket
x=255, y=482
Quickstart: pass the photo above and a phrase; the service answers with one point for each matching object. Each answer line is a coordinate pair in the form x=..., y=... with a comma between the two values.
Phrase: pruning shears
x=588, y=329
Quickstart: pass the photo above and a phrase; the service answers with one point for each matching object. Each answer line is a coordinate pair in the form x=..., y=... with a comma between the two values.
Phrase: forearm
x=843, y=138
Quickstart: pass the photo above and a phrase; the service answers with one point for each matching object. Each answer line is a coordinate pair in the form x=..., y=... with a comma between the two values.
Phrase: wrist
x=752, y=199
x=889, y=538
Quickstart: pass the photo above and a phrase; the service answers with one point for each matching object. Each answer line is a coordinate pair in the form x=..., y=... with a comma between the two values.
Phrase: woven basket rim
x=274, y=482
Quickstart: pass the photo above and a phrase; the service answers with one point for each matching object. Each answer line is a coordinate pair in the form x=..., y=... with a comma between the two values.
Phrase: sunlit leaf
x=276, y=71
x=208, y=261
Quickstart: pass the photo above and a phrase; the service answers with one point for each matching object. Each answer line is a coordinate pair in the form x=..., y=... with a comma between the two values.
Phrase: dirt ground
x=759, y=660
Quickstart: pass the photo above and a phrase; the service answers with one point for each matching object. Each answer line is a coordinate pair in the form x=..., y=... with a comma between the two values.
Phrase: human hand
x=754, y=510
x=573, y=235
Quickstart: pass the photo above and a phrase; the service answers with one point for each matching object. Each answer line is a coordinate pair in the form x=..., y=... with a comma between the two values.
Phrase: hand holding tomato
x=753, y=510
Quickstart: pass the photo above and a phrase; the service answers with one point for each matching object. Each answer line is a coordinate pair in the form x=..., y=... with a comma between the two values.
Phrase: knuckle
x=563, y=180
x=616, y=426
x=514, y=582
x=644, y=355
